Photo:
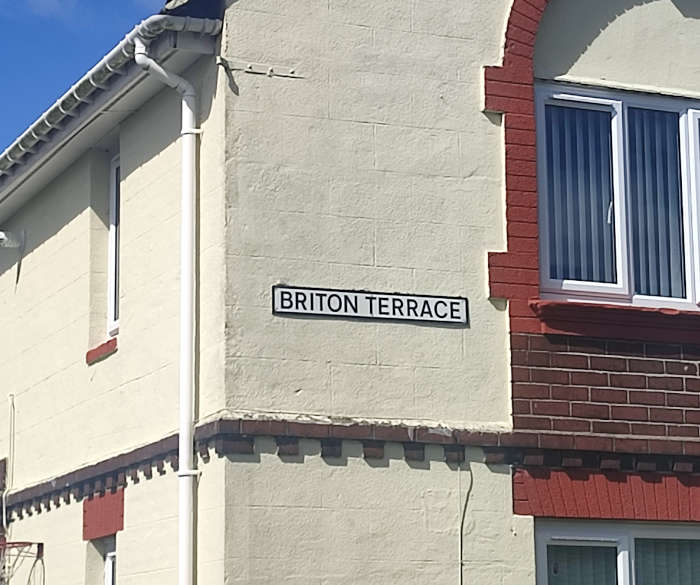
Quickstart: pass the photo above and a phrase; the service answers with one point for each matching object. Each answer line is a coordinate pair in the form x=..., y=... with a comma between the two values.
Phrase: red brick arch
x=509, y=89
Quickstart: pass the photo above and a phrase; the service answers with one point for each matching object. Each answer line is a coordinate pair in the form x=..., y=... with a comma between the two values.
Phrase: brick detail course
x=625, y=389
x=606, y=495
x=563, y=447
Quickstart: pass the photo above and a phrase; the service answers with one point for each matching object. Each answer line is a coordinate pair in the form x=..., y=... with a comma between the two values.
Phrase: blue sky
x=47, y=45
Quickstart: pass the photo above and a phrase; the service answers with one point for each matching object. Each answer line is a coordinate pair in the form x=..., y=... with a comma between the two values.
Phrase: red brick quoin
x=509, y=89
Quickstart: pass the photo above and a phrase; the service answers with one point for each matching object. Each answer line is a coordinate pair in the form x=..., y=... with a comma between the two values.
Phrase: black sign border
x=449, y=324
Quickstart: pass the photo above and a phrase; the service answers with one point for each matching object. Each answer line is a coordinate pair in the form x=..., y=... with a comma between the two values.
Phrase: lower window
x=617, y=553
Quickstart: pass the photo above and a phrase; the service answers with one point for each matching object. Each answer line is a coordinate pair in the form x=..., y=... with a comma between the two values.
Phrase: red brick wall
x=605, y=387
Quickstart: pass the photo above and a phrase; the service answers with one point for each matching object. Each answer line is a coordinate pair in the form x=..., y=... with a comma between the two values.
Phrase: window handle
x=610, y=213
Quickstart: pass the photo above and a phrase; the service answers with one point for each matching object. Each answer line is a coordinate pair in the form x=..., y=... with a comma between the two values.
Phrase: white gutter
x=187, y=474
x=67, y=106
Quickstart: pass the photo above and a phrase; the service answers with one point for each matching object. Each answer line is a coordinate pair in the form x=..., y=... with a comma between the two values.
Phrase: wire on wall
x=463, y=504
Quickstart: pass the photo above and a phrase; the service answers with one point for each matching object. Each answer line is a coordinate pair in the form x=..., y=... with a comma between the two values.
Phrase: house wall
x=375, y=170
x=147, y=546
x=309, y=519
x=580, y=41
x=53, y=304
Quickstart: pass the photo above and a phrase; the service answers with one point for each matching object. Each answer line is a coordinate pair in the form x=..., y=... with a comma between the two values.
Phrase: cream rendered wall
x=147, y=547
x=638, y=44
x=377, y=171
x=68, y=414
x=305, y=520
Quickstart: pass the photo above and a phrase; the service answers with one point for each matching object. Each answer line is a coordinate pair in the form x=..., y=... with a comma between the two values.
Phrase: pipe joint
x=146, y=62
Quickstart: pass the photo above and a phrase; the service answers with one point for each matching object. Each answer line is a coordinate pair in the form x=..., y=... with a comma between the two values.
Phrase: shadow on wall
x=592, y=17
x=66, y=197
x=40, y=226
x=350, y=449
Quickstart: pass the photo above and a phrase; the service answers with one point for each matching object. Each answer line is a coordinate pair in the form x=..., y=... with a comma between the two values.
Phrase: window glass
x=667, y=562
x=581, y=565
x=113, y=258
x=655, y=208
x=580, y=194
x=115, y=267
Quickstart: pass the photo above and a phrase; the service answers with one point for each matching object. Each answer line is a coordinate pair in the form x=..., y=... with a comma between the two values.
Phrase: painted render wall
x=377, y=170
x=637, y=44
x=146, y=548
x=314, y=521
x=68, y=414
x=306, y=519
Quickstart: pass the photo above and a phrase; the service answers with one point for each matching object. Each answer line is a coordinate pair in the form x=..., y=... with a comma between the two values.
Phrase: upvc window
x=618, y=184
x=113, y=253
x=615, y=553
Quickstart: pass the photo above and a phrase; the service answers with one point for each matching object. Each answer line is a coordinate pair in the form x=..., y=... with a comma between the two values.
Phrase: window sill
x=101, y=352
x=617, y=321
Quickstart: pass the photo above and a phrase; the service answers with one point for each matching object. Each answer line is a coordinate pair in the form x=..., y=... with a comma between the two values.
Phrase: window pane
x=581, y=565
x=580, y=194
x=117, y=214
x=667, y=562
x=655, y=203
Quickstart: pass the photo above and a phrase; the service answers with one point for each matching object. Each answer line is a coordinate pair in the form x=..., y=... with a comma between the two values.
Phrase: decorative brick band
x=606, y=495
x=237, y=436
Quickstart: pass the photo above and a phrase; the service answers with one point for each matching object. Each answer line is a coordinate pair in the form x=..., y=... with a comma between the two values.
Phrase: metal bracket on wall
x=258, y=69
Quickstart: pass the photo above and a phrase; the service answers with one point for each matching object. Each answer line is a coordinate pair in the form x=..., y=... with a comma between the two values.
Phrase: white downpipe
x=187, y=475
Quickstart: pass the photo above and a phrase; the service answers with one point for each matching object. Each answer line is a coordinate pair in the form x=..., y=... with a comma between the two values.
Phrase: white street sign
x=292, y=300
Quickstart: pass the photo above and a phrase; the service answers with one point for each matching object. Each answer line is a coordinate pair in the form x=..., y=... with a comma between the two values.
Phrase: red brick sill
x=617, y=321
x=101, y=352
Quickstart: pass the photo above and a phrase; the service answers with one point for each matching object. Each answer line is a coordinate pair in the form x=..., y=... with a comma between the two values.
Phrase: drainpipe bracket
x=258, y=69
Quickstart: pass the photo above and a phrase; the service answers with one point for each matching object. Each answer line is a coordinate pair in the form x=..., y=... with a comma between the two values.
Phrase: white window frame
x=620, y=535
x=110, y=568
x=113, y=249
x=618, y=103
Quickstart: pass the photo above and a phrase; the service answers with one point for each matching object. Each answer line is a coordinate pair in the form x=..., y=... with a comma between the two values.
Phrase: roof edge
x=95, y=80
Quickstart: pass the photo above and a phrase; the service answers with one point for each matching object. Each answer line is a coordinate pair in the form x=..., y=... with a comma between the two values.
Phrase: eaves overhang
x=98, y=102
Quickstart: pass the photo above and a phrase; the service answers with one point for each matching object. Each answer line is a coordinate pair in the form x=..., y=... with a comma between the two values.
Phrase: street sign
x=293, y=300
